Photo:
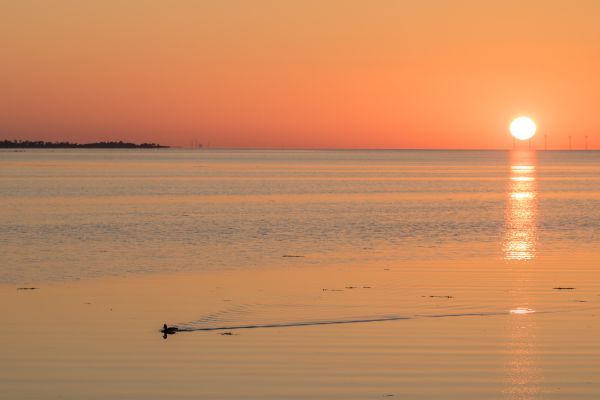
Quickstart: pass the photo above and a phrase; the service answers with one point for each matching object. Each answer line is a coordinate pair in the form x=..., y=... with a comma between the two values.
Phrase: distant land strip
x=40, y=144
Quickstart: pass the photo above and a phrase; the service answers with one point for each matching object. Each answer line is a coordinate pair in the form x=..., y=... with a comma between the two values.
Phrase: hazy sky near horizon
x=368, y=74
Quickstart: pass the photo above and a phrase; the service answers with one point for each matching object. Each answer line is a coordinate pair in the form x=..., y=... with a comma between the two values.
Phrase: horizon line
x=371, y=149
x=167, y=147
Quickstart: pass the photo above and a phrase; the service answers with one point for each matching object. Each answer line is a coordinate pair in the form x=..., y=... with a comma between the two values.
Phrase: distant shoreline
x=39, y=144
x=29, y=144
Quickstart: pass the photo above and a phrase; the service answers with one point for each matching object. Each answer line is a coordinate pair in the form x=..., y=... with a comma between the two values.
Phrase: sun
x=523, y=128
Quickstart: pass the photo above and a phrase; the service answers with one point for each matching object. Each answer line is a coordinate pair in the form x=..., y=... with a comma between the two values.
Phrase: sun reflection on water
x=522, y=310
x=520, y=235
x=521, y=212
x=523, y=375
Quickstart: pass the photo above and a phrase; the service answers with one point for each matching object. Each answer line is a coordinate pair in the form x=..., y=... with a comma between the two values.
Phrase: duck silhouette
x=169, y=330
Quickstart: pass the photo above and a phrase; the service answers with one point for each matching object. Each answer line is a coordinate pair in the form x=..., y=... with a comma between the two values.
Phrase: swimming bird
x=169, y=330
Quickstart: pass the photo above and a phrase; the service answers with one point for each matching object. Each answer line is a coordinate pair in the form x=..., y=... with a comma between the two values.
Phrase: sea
x=299, y=274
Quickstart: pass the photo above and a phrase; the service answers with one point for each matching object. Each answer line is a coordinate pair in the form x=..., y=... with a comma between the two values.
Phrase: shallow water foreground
x=100, y=339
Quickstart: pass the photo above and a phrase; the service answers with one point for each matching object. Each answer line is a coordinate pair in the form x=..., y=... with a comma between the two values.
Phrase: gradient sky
x=366, y=74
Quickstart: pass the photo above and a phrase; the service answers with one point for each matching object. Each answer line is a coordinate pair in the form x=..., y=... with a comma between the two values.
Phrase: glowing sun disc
x=523, y=128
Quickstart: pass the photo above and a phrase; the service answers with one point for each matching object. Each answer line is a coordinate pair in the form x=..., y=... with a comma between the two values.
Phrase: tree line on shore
x=40, y=144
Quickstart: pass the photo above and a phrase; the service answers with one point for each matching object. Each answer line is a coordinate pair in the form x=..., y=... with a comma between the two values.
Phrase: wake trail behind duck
x=194, y=326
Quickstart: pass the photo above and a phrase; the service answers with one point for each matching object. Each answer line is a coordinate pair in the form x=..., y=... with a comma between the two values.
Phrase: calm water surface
x=80, y=214
x=406, y=274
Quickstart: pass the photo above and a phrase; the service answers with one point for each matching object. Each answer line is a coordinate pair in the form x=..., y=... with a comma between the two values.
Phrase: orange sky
x=366, y=74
